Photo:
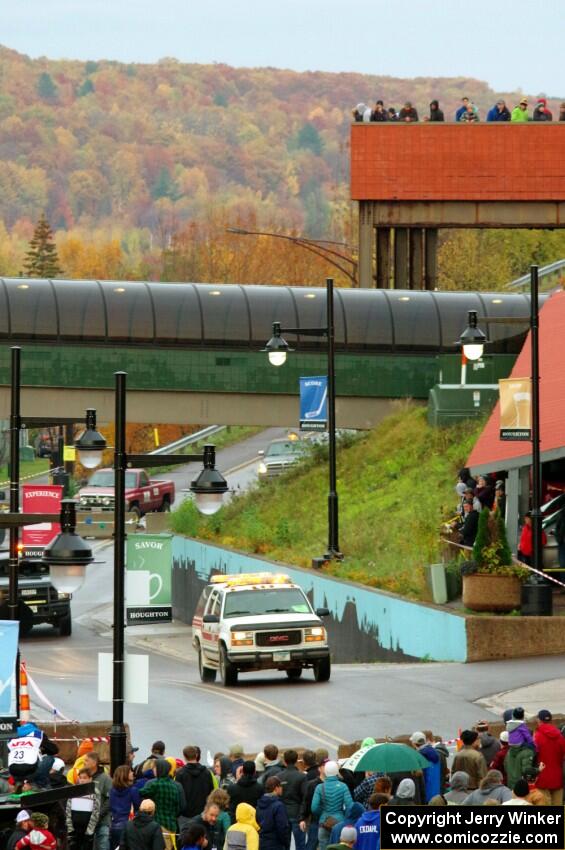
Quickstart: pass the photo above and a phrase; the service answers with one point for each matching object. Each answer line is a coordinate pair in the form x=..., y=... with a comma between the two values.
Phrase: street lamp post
x=62, y=563
x=208, y=488
x=89, y=445
x=314, y=246
x=277, y=349
x=473, y=340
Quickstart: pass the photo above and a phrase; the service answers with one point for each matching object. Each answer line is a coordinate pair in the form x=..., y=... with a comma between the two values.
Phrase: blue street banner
x=9, y=630
x=314, y=403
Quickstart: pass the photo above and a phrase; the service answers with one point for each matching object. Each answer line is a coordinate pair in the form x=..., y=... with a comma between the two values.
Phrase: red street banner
x=40, y=499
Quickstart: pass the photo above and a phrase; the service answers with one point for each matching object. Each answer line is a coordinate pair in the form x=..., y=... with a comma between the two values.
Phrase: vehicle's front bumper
x=279, y=659
x=48, y=612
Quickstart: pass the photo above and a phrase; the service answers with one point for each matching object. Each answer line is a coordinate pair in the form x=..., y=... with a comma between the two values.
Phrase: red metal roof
x=490, y=450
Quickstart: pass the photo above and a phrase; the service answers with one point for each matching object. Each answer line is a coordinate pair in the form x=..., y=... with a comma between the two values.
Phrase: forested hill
x=106, y=145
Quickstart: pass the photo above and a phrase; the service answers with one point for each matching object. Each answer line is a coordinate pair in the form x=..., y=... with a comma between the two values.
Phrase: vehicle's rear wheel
x=228, y=673
x=165, y=505
x=207, y=674
x=294, y=674
x=322, y=669
x=66, y=626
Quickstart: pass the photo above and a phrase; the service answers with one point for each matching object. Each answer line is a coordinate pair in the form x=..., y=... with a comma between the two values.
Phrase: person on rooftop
x=541, y=112
x=462, y=108
x=436, y=114
x=499, y=112
x=470, y=115
x=379, y=113
x=520, y=113
x=408, y=113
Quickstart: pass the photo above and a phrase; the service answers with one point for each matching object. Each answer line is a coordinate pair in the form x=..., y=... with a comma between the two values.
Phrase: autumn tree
x=42, y=259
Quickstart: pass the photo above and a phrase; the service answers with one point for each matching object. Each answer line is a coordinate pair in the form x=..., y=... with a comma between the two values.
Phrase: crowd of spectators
x=238, y=803
x=467, y=112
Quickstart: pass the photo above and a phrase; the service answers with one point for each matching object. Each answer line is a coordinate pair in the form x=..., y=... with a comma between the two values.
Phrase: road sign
x=314, y=403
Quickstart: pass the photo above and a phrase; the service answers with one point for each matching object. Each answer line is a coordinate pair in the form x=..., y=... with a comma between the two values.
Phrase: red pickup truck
x=143, y=494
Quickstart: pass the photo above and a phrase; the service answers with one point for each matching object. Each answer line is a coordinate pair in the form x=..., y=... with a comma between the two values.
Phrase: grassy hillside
x=395, y=484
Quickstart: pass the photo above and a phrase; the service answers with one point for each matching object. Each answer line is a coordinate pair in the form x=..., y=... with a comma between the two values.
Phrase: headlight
x=105, y=501
x=316, y=633
x=242, y=639
x=262, y=469
x=83, y=500
x=64, y=595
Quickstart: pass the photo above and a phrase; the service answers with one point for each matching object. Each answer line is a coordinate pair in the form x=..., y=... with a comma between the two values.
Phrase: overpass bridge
x=192, y=351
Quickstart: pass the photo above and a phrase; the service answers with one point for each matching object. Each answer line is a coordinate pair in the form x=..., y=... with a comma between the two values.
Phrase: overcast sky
x=509, y=43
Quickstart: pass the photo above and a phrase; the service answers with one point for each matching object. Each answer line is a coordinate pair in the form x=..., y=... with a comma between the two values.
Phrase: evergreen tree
x=309, y=138
x=505, y=551
x=46, y=88
x=86, y=88
x=482, y=540
x=42, y=259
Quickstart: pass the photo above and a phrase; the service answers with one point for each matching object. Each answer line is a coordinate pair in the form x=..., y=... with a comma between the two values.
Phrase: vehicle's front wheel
x=294, y=674
x=207, y=674
x=136, y=511
x=322, y=669
x=66, y=626
x=228, y=673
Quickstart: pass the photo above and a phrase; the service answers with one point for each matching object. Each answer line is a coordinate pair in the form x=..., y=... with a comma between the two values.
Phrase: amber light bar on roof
x=250, y=578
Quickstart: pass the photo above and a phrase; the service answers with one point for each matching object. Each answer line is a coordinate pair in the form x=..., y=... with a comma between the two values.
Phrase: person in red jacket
x=526, y=544
x=550, y=745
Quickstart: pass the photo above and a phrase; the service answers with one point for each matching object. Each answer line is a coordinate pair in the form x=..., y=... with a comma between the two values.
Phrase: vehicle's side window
x=201, y=606
x=143, y=479
x=212, y=601
x=216, y=605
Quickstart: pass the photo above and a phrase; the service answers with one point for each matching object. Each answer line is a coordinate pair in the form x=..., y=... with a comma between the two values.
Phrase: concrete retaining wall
x=364, y=624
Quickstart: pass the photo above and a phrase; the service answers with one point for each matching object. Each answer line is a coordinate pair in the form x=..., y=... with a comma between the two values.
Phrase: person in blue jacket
x=432, y=773
x=499, y=112
x=462, y=109
x=368, y=826
x=272, y=817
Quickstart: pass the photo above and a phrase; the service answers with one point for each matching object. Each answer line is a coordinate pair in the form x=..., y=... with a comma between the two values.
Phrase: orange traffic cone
x=24, y=695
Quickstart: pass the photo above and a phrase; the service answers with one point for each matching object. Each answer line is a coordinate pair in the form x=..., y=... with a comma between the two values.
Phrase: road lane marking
x=269, y=711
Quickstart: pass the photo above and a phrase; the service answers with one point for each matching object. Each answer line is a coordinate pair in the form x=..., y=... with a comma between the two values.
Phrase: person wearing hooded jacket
x=196, y=782
x=550, y=745
x=499, y=112
x=498, y=761
x=272, y=817
x=245, y=790
x=436, y=114
x=491, y=788
x=332, y=799
x=143, y=832
x=432, y=773
x=405, y=794
x=541, y=112
x=244, y=833
x=459, y=788
x=362, y=113
x=489, y=745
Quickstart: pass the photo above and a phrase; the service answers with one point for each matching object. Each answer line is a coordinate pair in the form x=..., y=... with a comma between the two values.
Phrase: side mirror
x=261, y=452
x=323, y=612
x=210, y=618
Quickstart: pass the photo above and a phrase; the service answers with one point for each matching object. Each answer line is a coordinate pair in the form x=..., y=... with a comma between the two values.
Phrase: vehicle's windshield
x=290, y=448
x=105, y=478
x=276, y=601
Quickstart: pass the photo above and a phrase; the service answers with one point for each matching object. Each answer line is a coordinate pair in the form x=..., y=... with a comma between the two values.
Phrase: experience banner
x=515, y=409
x=148, y=579
x=40, y=499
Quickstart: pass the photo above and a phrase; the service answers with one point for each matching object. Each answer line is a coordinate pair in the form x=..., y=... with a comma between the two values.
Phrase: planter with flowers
x=491, y=581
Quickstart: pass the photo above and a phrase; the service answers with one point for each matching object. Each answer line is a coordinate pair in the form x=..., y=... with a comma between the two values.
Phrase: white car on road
x=258, y=621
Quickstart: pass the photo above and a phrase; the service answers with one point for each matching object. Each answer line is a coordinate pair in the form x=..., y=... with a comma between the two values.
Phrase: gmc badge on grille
x=278, y=638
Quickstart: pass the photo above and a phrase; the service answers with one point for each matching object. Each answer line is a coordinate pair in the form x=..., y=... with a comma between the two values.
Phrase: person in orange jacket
x=526, y=544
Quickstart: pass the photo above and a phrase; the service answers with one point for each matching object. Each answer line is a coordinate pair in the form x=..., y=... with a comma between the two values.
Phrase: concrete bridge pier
x=384, y=243
x=401, y=250
x=430, y=258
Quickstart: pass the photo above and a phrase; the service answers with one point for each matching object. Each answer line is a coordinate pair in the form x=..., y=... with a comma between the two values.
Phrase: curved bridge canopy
x=192, y=350
x=233, y=316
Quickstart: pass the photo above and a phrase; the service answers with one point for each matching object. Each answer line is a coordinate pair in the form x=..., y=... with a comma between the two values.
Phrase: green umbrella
x=386, y=758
